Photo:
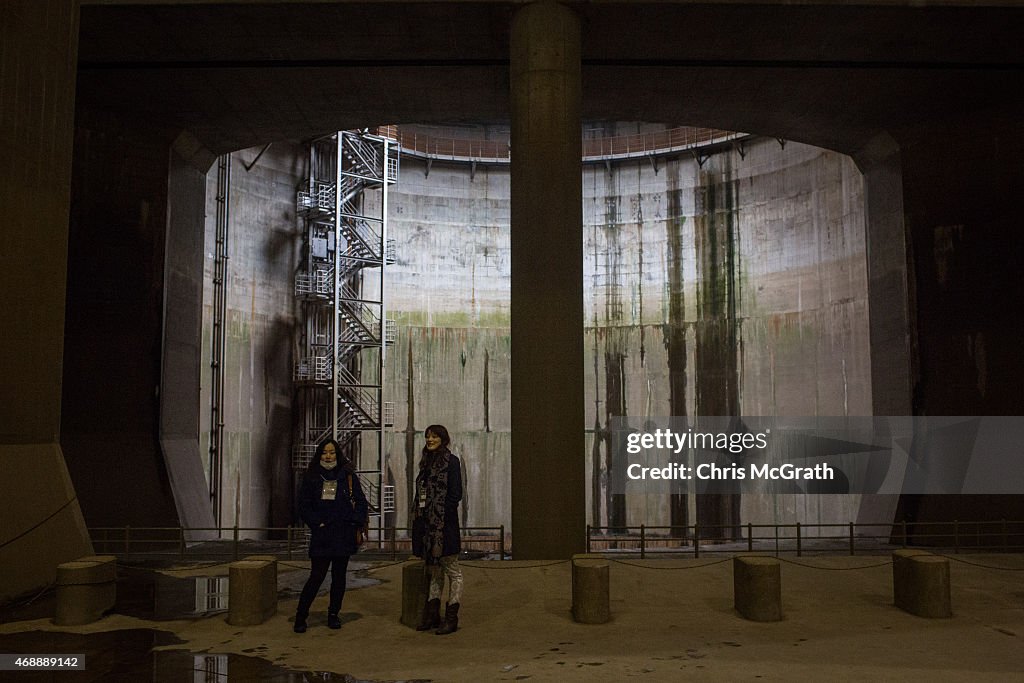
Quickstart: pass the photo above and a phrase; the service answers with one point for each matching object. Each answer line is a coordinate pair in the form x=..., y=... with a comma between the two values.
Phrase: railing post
x=750, y=537
x=289, y=541
x=798, y=548
x=696, y=542
x=1005, y=544
x=956, y=537
x=127, y=540
x=588, y=538
x=776, y=539
x=643, y=541
x=236, y=542
x=501, y=549
x=904, y=532
x=851, y=539
x=181, y=541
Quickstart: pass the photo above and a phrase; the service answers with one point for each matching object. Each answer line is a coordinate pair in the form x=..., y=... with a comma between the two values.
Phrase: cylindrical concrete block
x=86, y=589
x=414, y=593
x=252, y=591
x=920, y=583
x=590, y=589
x=757, y=588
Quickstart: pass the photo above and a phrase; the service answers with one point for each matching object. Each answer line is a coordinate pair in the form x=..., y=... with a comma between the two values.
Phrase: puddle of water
x=129, y=656
x=153, y=595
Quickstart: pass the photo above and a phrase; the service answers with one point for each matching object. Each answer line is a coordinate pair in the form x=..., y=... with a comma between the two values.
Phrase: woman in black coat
x=332, y=504
x=436, y=533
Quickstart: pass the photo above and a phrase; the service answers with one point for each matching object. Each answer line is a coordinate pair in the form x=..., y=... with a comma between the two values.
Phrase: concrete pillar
x=548, y=495
x=920, y=583
x=889, y=310
x=42, y=523
x=415, y=590
x=86, y=589
x=591, y=589
x=961, y=212
x=757, y=588
x=252, y=590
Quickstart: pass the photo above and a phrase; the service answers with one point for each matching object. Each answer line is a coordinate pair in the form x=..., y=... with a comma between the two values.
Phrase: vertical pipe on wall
x=336, y=311
x=219, y=333
x=382, y=357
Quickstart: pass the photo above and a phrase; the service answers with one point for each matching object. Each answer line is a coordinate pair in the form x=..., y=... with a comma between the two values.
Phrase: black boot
x=333, y=621
x=300, y=624
x=431, y=615
x=451, y=620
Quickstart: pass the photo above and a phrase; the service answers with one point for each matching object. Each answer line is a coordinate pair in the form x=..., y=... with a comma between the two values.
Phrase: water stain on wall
x=615, y=406
x=487, y=390
x=410, y=436
x=615, y=353
x=717, y=377
x=674, y=338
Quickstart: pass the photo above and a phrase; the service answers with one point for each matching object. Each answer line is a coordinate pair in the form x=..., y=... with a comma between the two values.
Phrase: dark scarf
x=434, y=477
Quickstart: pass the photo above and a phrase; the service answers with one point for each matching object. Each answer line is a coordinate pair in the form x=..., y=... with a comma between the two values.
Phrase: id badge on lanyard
x=330, y=490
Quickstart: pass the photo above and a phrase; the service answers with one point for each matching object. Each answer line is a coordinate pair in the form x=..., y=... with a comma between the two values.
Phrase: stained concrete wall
x=736, y=286
x=263, y=252
x=449, y=293
x=789, y=223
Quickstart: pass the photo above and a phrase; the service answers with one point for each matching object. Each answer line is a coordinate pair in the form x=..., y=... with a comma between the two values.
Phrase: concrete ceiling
x=243, y=73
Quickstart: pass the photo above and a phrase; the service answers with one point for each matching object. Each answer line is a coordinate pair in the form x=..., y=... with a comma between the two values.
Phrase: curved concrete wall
x=736, y=285
x=779, y=231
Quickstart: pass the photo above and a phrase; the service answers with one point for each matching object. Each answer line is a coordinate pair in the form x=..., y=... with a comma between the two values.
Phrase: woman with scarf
x=332, y=504
x=436, y=528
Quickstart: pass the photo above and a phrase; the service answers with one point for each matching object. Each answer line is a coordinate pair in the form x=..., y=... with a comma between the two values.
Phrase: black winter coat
x=451, y=532
x=340, y=518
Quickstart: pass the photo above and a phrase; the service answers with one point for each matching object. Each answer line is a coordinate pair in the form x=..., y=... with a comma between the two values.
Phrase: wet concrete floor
x=140, y=655
x=147, y=654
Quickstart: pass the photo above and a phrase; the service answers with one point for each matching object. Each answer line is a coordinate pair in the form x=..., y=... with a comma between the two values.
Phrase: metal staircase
x=345, y=332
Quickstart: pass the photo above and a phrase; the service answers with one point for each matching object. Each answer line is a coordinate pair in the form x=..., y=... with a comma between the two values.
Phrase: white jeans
x=449, y=567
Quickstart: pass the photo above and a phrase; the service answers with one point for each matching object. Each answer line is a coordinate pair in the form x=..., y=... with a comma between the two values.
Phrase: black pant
x=317, y=574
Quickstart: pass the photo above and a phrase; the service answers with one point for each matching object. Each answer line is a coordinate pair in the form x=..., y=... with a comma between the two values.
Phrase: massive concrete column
x=42, y=525
x=548, y=495
x=889, y=307
x=962, y=220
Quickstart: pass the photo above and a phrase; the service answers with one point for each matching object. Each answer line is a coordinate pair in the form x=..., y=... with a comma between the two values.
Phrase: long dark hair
x=436, y=430
x=343, y=460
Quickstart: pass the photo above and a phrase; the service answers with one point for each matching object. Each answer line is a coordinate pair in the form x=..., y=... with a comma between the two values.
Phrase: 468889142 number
x=15, y=662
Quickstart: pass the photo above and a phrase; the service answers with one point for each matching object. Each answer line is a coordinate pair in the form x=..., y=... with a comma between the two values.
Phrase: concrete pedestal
x=252, y=590
x=920, y=583
x=86, y=588
x=414, y=593
x=591, y=578
x=757, y=588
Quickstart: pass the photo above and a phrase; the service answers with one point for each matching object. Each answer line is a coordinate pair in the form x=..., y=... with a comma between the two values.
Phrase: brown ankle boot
x=431, y=615
x=451, y=620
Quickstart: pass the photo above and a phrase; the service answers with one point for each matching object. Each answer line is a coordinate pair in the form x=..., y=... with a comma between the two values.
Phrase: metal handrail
x=286, y=543
x=696, y=539
x=593, y=149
